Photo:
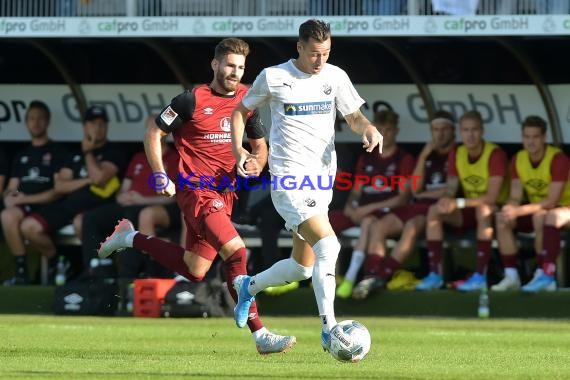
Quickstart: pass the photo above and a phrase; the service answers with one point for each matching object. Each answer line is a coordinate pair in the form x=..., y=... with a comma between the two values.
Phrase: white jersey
x=303, y=113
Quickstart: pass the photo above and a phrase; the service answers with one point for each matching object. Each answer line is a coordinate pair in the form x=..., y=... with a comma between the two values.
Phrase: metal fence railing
x=149, y=8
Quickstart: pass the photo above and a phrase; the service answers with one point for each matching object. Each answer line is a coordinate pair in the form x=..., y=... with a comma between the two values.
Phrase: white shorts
x=296, y=206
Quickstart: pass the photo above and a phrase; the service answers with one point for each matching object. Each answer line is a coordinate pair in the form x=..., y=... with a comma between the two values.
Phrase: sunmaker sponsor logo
x=312, y=108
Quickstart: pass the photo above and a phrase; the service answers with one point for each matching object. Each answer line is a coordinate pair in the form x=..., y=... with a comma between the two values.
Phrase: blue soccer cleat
x=475, y=283
x=432, y=281
x=541, y=283
x=241, y=311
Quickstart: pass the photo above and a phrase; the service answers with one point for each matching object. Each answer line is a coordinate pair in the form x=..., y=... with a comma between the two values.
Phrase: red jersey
x=139, y=171
x=200, y=124
x=401, y=163
x=435, y=171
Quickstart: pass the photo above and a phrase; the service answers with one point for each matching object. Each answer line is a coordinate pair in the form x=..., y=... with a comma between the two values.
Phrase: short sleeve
x=254, y=126
x=178, y=112
x=559, y=168
x=451, y=164
x=498, y=163
x=347, y=99
x=258, y=93
x=407, y=165
x=514, y=171
x=114, y=155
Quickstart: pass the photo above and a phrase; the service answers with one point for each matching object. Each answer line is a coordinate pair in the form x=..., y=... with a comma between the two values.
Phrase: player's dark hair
x=535, y=121
x=472, y=115
x=231, y=46
x=38, y=104
x=315, y=29
x=384, y=117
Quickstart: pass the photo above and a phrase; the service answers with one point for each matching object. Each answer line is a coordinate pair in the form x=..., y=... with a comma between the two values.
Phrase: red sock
x=509, y=261
x=551, y=245
x=483, y=255
x=389, y=266
x=435, y=252
x=372, y=264
x=235, y=266
x=168, y=254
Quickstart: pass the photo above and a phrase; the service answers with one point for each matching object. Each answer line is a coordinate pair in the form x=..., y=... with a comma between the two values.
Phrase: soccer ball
x=349, y=341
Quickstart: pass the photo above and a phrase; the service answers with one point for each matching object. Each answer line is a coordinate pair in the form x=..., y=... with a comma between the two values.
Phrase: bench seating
x=347, y=238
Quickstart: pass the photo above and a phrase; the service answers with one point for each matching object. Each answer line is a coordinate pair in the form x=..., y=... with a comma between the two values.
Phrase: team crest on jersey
x=379, y=183
x=537, y=184
x=475, y=180
x=138, y=169
x=327, y=89
x=217, y=204
x=33, y=173
x=168, y=115
x=225, y=124
x=46, y=159
x=436, y=178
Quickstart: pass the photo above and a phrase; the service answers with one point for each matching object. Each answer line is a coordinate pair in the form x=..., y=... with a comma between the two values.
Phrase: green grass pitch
x=49, y=347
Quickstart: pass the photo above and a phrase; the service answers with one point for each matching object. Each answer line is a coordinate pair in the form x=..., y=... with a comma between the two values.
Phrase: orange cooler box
x=149, y=295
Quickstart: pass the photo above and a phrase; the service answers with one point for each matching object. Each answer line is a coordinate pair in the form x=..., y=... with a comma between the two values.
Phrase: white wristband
x=460, y=202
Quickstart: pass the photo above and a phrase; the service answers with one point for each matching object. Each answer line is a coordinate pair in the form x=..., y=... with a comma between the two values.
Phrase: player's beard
x=225, y=83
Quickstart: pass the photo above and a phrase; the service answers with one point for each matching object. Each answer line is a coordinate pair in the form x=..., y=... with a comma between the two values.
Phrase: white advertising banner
x=283, y=26
x=503, y=108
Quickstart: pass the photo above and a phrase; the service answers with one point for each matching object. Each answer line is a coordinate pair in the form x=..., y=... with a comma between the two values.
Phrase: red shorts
x=339, y=221
x=407, y=212
x=207, y=215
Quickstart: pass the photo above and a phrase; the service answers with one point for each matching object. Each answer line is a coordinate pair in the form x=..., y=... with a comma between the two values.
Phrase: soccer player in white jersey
x=304, y=95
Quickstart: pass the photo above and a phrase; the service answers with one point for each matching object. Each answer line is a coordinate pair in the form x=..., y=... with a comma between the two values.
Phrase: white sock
x=355, y=263
x=259, y=333
x=129, y=238
x=281, y=273
x=512, y=273
x=324, y=284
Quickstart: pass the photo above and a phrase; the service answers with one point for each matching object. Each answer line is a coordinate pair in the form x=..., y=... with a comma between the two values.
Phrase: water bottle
x=130, y=298
x=60, y=271
x=483, y=310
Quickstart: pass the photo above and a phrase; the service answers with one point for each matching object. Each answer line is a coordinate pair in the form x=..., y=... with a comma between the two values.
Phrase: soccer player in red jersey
x=408, y=222
x=199, y=121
